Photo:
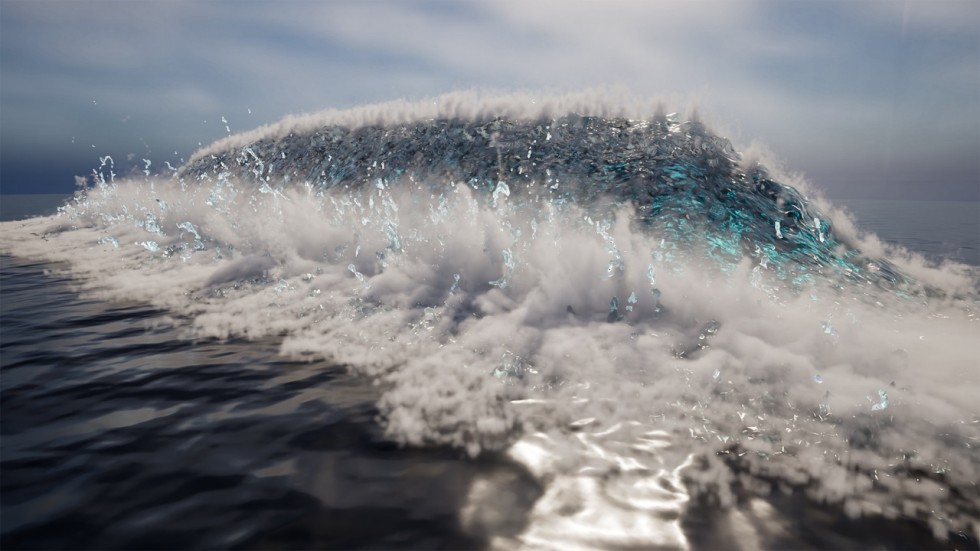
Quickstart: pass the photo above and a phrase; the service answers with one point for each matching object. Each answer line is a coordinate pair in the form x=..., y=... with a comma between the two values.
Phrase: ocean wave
x=622, y=303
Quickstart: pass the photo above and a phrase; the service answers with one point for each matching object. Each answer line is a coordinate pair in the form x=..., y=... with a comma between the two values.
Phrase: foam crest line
x=471, y=105
x=622, y=304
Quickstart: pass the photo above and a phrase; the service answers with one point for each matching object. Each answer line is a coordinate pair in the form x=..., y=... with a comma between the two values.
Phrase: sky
x=866, y=99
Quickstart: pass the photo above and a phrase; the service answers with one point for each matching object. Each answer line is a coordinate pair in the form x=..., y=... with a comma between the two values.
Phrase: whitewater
x=611, y=295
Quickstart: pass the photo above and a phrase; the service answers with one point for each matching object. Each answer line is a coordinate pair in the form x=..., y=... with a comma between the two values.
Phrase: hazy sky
x=866, y=98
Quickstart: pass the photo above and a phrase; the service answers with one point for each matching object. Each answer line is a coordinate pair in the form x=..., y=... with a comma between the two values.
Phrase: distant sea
x=119, y=432
x=18, y=207
x=936, y=229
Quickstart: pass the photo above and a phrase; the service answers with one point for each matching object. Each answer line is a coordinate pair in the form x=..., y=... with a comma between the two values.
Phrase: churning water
x=481, y=323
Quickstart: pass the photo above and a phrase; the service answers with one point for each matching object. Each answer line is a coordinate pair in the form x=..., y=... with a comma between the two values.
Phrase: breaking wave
x=612, y=296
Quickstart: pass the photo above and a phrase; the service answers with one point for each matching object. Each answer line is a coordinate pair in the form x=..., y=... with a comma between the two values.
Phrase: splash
x=484, y=269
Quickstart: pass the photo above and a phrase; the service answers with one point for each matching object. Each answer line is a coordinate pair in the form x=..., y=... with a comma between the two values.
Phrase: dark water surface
x=118, y=433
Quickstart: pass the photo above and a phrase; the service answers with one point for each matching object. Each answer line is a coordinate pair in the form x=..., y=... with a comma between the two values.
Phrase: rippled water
x=118, y=433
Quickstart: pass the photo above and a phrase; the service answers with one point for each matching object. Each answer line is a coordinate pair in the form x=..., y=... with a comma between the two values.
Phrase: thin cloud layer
x=879, y=97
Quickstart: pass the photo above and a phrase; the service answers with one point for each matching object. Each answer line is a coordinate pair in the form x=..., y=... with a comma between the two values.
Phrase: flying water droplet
x=430, y=316
x=509, y=264
x=360, y=277
x=189, y=228
x=613, y=311
x=501, y=190
x=110, y=240
x=818, y=378
x=282, y=286
x=151, y=225
x=882, y=401
x=709, y=329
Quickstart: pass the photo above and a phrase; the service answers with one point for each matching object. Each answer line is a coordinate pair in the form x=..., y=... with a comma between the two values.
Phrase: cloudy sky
x=866, y=98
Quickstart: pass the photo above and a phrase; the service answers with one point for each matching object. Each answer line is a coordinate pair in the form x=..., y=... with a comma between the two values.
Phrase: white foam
x=465, y=105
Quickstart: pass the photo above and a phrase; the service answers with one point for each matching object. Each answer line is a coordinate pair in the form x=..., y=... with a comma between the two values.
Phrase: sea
x=189, y=370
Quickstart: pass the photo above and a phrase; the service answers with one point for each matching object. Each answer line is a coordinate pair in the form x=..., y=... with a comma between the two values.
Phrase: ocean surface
x=120, y=432
x=177, y=370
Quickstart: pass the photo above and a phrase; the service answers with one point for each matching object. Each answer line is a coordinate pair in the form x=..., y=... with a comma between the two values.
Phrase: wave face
x=682, y=180
x=621, y=304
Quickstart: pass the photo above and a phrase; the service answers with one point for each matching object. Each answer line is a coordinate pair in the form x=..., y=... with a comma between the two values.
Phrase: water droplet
x=613, y=310
x=502, y=190
x=882, y=401
x=353, y=269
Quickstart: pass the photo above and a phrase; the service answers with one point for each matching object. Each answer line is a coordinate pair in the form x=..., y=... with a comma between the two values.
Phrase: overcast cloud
x=873, y=99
